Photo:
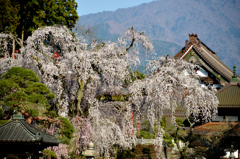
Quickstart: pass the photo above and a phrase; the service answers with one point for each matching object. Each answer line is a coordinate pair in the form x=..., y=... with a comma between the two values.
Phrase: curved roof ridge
x=208, y=55
x=21, y=131
x=218, y=59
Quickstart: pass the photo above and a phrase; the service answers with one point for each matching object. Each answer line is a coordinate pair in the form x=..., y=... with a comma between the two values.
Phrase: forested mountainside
x=217, y=24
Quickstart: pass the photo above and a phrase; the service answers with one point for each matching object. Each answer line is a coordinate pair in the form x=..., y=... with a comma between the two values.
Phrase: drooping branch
x=131, y=44
x=100, y=46
x=19, y=41
x=90, y=44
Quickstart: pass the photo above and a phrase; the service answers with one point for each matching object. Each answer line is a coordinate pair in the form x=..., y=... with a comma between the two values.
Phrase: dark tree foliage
x=66, y=130
x=9, y=18
x=24, y=16
x=20, y=88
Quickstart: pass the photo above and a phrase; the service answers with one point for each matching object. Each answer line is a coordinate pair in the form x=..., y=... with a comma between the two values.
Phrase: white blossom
x=86, y=72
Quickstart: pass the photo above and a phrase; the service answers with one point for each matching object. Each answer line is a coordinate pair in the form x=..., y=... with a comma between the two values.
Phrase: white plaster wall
x=202, y=73
x=218, y=118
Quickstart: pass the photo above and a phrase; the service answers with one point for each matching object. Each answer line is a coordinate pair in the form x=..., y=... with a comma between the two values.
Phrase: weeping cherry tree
x=93, y=81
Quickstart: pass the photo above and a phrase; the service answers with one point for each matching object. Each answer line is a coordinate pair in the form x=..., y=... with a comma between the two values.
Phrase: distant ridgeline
x=172, y=20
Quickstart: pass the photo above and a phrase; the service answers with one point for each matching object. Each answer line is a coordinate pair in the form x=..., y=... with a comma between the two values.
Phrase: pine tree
x=21, y=87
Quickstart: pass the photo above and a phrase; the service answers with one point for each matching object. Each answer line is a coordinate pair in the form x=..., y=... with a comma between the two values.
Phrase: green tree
x=24, y=16
x=20, y=88
x=9, y=18
x=66, y=130
x=39, y=13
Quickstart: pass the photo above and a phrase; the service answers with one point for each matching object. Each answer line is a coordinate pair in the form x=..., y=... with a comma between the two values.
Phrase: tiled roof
x=214, y=61
x=213, y=127
x=19, y=131
x=229, y=96
x=207, y=55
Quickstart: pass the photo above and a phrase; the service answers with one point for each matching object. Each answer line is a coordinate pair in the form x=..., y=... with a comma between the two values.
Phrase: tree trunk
x=184, y=149
x=13, y=49
x=22, y=36
x=79, y=95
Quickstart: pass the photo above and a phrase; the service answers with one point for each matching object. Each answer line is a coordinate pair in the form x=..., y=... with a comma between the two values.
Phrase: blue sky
x=94, y=6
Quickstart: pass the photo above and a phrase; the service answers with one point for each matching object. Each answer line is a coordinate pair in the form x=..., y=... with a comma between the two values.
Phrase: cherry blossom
x=90, y=79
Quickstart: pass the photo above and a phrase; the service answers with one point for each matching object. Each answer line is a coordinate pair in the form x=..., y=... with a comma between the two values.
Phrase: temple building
x=229, y=100
x=215, y=73
x=212, y=72
x=19, y=138
x=226, y=123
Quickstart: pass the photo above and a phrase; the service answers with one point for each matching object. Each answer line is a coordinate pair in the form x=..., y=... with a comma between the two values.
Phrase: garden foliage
x=86, y=71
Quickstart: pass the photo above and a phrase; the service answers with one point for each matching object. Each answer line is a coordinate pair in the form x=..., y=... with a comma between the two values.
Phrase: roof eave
x=192, y=46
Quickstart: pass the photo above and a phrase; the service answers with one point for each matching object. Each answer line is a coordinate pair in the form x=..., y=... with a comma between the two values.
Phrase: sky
x=94, y=6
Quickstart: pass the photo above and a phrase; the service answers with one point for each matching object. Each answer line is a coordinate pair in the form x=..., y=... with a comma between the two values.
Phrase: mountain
x=217, y=23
